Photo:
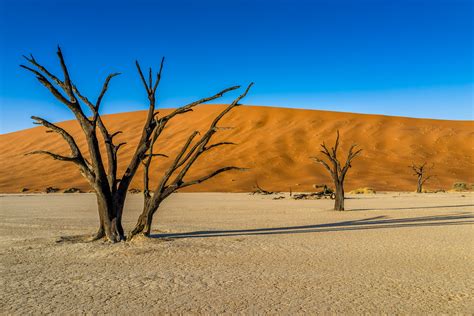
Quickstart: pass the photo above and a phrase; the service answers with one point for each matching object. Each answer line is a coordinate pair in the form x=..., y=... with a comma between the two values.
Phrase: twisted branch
x=337, y=172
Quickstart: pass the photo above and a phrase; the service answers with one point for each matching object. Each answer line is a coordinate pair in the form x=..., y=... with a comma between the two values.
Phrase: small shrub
x=72, y=190
x=51, y=190
x=460, y=186
x=134, y=191
x=434, y=191
x=363, y=191
x=24, y=189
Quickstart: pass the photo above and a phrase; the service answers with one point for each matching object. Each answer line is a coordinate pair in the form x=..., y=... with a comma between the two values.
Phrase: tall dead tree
x=111, y=190
x=336, y=169
x=420, y=173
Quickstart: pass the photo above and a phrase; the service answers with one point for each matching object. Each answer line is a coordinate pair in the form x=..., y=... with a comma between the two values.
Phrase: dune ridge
x=274, y=143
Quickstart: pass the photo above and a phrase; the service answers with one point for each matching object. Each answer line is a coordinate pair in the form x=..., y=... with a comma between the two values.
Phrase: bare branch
x=69, y=139
x=104, y=90
x=259, y=190
x=326, y=152
x=53, y=155
x=231, y=106
x=157, y=155
x=76, y=154
x=44, y=81
x=187, y=108
x=83, y=98
x=223, y=128
x=117, y=147
x=209, y=176
x=198, y=149
x=147, y=132
x=33, y=61
x=218, y=145
x=115, y=134
x=142, y=77
x=67, y=85
x=426, y=179
x=350, y=156
x=336, y=145
x=325, y=165
x=158, y=75
x=150, y=79
x=176, y=163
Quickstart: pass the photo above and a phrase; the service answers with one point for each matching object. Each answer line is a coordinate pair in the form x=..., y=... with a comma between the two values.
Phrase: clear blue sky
x=408, y=58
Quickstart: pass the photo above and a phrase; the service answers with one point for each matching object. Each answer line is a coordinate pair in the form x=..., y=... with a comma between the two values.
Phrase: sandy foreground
x=394, y=253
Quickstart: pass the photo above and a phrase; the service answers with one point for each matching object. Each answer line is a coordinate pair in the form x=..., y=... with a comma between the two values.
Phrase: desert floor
x=394, y=253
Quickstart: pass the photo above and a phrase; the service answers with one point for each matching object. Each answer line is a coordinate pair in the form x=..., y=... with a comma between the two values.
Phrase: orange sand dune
x=275, y=143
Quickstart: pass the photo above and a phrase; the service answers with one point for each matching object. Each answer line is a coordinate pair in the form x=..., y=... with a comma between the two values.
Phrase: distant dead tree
x=258, y=190
x=336, y=169
x=421, y=174
x=100, y=172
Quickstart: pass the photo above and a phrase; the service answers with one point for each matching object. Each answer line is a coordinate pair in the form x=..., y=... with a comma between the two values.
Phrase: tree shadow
x=378, y=222
x=408, y=208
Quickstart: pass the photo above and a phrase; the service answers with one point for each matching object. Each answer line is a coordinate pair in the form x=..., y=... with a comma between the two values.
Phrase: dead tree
x=336, y=169
x=100, y=172
x=173, y=178
x=259, y=190
x=420, y=173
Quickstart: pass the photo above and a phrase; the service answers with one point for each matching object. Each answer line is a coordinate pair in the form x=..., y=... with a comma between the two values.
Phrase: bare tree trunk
x=100, y=232
x=108, y=217
x=109, y=214
x=419, y=187
x=148, y=222
x=339, y=201
x=420, y=173
x=119, y=203
x=143, y=225
x=139, y=226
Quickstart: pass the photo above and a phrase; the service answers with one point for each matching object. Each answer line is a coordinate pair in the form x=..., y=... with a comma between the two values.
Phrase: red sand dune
x=275, y=143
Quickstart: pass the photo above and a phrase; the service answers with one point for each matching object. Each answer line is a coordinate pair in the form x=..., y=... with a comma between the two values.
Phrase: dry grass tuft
x=434, y=191
x=462, y=186
x=363, y=191
x=72, y=190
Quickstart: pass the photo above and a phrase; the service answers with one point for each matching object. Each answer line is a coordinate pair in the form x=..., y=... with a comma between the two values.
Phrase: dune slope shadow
x=379, y=222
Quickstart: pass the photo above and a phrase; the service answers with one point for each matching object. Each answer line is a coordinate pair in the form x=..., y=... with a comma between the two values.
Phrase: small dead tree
x=336, y=169
x=259, y=190
x=421, y=174
x=100, y=172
